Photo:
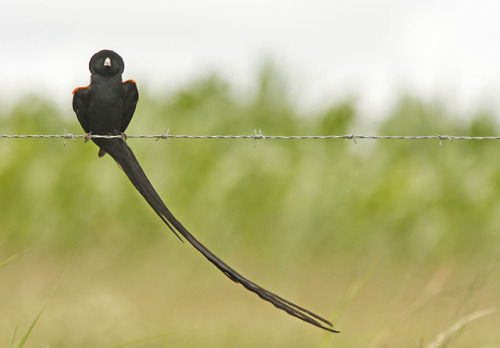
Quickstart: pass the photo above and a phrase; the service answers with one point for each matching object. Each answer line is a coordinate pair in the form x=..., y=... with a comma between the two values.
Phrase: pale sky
x=371, y=49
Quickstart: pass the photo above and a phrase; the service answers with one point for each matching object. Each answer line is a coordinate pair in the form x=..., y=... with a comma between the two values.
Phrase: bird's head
x=106, y=62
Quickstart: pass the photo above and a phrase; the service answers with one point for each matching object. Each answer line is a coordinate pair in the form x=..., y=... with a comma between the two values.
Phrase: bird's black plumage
x=106, y=107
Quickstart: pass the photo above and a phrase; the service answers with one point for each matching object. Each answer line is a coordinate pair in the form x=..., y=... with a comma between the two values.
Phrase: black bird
x=105, y=107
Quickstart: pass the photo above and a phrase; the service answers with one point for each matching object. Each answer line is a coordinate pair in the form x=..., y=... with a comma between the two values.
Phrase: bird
x=105, y=108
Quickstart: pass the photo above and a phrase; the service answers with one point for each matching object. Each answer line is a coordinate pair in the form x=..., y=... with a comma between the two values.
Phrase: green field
x=395, y=241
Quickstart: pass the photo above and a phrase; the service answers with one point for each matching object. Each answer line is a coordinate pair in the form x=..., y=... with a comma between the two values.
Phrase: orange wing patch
x=130, y=81
x=77, y=88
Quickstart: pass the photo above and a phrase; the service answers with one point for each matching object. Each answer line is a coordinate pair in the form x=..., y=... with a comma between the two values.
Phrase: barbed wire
x=256, y=136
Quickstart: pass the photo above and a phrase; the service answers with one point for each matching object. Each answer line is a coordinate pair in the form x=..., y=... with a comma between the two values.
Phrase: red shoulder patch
x=77, y=88
x=130, y=81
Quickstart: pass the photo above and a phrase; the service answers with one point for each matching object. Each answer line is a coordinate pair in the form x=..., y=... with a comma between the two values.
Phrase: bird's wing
x=81, y=106
x=130, y=102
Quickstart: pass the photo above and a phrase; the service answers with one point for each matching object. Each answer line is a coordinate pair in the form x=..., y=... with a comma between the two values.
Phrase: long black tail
x=126, y=159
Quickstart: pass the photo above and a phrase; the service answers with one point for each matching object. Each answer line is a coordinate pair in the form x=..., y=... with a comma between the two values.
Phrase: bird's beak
x=107, y=62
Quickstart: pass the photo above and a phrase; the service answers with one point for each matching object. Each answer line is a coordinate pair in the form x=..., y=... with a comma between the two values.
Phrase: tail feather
x=126, y=159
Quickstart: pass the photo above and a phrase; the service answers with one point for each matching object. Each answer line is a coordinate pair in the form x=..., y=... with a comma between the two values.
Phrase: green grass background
x=394, y=241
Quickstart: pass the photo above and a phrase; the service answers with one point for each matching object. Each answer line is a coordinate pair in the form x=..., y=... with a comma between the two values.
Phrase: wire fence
x=256, y=136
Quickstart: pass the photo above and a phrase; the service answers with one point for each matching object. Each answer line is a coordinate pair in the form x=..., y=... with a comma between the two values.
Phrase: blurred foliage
x=323, y=217
x=329, y=196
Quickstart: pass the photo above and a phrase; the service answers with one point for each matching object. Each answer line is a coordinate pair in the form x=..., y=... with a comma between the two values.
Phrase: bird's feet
x=124, y=137
x=88, y=136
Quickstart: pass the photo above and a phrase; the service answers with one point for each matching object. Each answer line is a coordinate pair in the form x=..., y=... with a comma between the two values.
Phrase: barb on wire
x=164, y=135
x=256, y=136
x=351, y=136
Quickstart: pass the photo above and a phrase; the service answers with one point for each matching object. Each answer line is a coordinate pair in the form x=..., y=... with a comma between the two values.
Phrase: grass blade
x=23, y=339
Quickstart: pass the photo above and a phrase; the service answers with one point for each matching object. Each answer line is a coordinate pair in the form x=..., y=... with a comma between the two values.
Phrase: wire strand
x=256, y=136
